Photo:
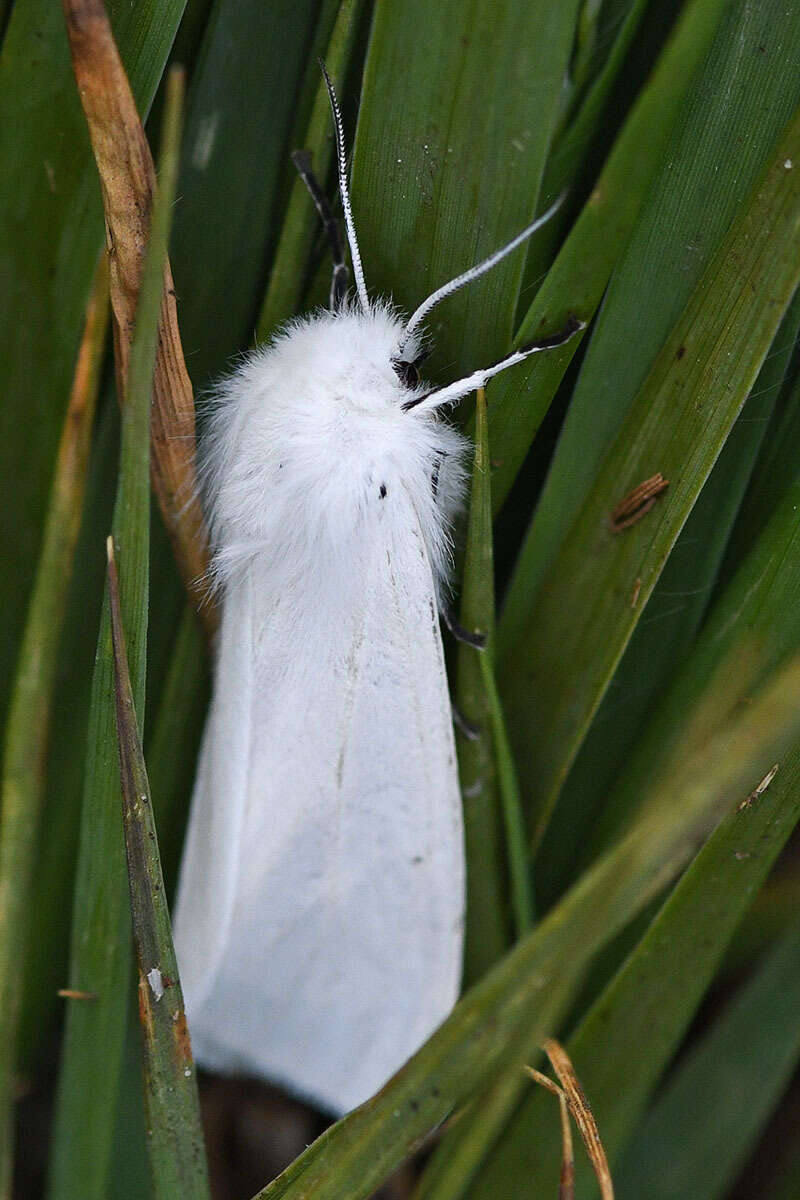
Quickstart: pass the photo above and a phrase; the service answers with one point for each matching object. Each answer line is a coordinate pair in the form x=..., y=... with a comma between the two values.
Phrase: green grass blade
x=28, y=728
x=46, y=968
x=568, y=157
x=457, y=110
x=497, y=855
x=52, y=226
x=301, y=223
x=582, y=116
x=677, y=426
x=175, y=729
x=455, y=1162
x=519, y=399
x=513, y=819
x=689, y=1147
x=100, y=957
x=175, y=1135
x=488, y=932
x=524, y=996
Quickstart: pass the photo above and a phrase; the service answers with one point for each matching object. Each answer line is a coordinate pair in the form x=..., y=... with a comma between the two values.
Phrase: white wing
x=319, y=918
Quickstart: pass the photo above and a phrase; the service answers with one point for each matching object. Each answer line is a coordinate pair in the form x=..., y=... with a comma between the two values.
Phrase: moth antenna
x=475, y=272
x=454, y=391
x=341, y=162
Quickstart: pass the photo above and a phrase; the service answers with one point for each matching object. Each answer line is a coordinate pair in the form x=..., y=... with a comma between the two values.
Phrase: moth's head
x=407, y=369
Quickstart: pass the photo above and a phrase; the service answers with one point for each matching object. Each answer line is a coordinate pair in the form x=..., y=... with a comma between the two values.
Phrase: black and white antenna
x=341, y=160
x=462, y=387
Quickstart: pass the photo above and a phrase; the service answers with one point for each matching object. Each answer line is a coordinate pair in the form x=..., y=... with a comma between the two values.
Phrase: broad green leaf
x=53, y=230
x=682, y=415
x=522, y=999
x=519, y=399
x=457, y=110
x=663, y=635
x=28, y=728
x=100, y=954
x=760, y=602
x=740, y=98
x=712, y=1109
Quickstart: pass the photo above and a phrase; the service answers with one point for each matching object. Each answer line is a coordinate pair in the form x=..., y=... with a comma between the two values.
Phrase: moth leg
x=460, y=632
x=330, y=226
x=469, y=729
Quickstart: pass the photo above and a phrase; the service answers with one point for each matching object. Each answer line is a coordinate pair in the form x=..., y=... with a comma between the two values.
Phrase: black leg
x=469, y=729
x=302, y=161
x=470, y=637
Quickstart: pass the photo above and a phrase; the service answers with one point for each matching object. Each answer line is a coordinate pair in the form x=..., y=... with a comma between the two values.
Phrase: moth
x=320, y=909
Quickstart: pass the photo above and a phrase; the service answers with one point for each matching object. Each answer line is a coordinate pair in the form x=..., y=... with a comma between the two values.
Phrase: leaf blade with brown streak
x=175, y=1142
x=127, y=178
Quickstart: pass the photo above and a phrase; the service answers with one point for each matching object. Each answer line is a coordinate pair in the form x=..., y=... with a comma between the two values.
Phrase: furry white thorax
x=308, y=444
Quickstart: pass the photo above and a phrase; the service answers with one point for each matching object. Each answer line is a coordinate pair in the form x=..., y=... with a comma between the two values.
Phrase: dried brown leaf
x=127, y=180
x=582, y=1114
x=566, y=1186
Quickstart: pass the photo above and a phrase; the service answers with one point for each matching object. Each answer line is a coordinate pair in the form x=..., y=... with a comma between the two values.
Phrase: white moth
x=320, y=909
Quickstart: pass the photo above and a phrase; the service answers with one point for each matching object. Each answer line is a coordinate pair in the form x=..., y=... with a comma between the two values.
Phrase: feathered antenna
x=341, y=161
x=475, y=272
